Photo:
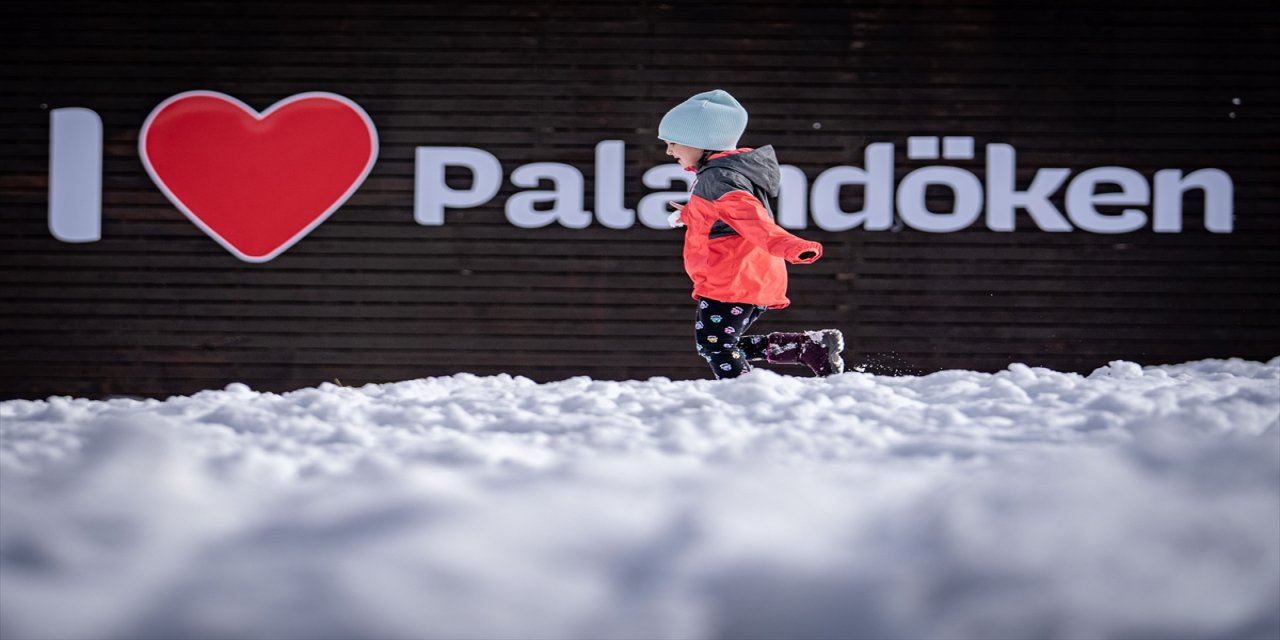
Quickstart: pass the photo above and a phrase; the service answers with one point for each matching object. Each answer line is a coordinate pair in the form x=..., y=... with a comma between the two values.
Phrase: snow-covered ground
x=1130, y=503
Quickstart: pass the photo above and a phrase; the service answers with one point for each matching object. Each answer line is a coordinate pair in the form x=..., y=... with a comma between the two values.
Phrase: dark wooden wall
x=156, y=307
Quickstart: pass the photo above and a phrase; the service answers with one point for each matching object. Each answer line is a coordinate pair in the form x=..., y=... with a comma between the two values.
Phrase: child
x=733, y=250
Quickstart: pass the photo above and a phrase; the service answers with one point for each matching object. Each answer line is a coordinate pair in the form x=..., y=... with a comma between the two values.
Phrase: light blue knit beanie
x=712, y=120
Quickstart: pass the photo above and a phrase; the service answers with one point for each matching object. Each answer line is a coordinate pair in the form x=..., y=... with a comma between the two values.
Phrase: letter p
x=432, y=194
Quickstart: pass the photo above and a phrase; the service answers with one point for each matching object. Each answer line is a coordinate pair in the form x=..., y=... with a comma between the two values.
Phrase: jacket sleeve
x=748, y=217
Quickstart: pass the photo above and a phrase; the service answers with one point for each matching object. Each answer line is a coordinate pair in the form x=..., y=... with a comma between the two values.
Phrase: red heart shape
x=257, y=183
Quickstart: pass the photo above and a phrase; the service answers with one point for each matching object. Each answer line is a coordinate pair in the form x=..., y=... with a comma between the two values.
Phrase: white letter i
x=75, y=175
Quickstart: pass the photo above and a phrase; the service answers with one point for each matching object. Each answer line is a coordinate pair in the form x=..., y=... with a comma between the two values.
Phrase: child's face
x=687, y=156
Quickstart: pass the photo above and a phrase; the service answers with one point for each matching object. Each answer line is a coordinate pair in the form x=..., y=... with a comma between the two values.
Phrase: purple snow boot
x=818, y=350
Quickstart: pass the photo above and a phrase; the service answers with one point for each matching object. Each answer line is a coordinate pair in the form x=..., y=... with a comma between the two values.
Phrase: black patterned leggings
x=720, y=330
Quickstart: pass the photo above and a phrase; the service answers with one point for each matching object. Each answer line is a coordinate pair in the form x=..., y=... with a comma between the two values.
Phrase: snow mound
x=1132, y=502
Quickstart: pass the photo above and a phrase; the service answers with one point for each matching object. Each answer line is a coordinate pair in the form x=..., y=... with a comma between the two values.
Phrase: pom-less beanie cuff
x=712, y=120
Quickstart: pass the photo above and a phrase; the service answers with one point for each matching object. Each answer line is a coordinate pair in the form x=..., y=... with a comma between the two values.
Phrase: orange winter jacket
x=733, y=250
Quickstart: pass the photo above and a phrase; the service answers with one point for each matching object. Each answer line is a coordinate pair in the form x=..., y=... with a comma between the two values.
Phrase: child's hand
x=674, y=219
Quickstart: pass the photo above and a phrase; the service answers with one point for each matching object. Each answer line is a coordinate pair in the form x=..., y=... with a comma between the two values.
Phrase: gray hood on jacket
x=760, y=166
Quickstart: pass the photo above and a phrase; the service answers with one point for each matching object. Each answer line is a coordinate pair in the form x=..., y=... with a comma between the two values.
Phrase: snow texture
x=1130, y=503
